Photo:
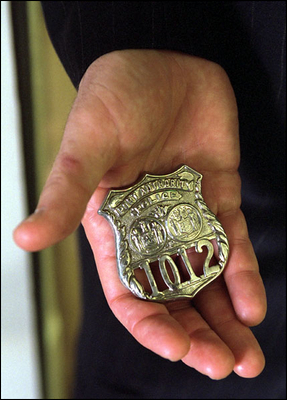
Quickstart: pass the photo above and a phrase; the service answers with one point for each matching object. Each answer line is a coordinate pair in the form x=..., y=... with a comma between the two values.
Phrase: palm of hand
x=182, y=110
x=150, y=111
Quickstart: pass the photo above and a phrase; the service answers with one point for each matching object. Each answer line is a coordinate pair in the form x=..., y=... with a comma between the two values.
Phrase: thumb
x=86, y=153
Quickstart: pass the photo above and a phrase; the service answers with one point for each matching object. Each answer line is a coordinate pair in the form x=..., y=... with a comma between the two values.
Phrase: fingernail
x=39, y=210
x=35, y=214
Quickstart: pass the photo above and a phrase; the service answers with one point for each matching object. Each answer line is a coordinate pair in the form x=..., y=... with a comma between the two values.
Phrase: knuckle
x=69, y=163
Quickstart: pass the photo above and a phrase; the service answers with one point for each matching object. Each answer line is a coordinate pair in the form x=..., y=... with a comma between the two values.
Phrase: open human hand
x=150, y=111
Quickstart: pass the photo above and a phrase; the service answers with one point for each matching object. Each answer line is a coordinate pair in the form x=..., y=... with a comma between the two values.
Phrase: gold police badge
x=161, y=224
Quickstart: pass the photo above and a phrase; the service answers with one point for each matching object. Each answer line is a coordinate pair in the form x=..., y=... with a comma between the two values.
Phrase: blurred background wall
x=20, y=377
x=41, y=293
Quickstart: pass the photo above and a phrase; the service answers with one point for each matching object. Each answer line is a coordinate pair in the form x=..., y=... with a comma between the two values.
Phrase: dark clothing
x=247, y=38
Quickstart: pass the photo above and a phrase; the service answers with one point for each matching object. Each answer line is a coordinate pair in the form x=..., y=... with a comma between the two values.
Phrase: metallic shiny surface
x=161, y=219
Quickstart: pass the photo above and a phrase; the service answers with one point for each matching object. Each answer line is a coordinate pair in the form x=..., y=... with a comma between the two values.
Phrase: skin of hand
x=150, y=111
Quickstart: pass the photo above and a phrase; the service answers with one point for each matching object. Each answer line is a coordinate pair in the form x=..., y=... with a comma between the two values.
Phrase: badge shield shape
x=160, y=218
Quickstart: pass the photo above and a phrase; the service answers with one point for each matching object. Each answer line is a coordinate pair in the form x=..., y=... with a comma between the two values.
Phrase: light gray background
x=19, y=358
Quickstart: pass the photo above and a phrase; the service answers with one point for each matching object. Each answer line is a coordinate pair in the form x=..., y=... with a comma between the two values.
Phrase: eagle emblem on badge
x=161, y=225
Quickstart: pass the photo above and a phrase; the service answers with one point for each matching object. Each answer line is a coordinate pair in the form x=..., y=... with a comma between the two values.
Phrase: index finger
x=150, y=323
